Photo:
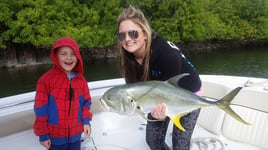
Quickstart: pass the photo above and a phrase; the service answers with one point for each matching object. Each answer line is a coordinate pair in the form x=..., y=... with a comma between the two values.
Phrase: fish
x=142, y=97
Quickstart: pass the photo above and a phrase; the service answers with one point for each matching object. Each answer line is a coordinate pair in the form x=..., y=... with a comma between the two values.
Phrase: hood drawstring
x=70, y=96
x=70, y=76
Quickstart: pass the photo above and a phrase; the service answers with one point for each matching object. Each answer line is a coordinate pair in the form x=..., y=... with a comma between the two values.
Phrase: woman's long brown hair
x=128, y=63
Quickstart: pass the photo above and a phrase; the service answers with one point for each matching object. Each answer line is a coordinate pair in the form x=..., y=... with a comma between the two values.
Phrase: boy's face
x=67, y=59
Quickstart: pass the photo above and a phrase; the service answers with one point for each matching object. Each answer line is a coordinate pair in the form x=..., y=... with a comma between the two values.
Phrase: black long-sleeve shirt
x=167, y=61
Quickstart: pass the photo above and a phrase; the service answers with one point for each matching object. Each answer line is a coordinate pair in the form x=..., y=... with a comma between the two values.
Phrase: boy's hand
x=46, y=144
x=87, y=130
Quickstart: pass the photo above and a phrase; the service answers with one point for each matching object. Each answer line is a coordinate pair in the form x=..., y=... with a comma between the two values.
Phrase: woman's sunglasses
x=133, y=34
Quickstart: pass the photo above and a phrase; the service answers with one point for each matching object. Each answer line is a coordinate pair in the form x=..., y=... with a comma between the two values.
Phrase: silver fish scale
x=146, y=95
x=149, y=95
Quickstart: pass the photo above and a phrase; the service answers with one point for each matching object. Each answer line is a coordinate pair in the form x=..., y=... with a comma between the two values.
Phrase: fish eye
x=109, y=97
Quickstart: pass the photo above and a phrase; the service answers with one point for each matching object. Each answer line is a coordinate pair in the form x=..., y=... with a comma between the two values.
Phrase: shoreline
x=19, y=56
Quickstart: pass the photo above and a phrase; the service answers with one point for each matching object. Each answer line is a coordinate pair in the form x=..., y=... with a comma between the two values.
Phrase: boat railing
x=25, y=101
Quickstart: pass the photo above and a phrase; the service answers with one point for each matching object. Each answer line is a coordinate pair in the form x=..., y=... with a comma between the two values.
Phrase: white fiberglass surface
x=114, y=131
x=111, y=131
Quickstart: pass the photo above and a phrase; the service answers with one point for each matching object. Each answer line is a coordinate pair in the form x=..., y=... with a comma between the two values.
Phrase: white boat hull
x=111, y=131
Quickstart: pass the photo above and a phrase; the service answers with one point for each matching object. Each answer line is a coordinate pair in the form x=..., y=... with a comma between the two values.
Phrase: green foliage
x=93, y=23
x=106, y=29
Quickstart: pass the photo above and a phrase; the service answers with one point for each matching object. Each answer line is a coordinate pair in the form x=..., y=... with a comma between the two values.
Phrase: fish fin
x=144, y=117
x=176, y=120
x=141, y=114
x=225, y=102
x=174, y=80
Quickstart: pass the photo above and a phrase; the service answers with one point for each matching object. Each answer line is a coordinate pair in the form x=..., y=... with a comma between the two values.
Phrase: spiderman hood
x=66, y=41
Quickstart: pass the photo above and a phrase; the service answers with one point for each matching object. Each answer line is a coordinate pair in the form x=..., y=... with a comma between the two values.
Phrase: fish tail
x=224, y=104
x=176, y=120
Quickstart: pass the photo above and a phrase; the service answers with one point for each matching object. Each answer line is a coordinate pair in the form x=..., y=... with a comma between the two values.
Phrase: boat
x=111, y=131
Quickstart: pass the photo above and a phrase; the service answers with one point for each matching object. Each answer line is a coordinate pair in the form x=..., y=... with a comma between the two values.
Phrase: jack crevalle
x=141, y=97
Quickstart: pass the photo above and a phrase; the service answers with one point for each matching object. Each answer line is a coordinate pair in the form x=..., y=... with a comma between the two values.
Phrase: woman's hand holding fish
x=159, y=111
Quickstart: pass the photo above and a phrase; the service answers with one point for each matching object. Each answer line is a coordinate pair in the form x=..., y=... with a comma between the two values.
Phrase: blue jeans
x=68, y=146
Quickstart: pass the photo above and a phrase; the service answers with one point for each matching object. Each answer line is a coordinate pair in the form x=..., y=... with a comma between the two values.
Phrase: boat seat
x=211, y=118
x=254, y=134
x=251, y=104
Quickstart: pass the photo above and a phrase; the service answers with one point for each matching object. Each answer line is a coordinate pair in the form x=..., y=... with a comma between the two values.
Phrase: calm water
x=20, y=80
x=239, y=62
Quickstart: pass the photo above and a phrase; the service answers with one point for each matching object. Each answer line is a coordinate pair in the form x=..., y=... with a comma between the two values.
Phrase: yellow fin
x=176, y=120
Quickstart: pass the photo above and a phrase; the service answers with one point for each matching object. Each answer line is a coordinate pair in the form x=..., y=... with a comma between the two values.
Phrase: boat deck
x=115, y=132
x=110, y=131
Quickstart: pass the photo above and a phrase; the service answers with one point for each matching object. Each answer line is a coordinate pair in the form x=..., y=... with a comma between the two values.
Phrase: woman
x=144, y=55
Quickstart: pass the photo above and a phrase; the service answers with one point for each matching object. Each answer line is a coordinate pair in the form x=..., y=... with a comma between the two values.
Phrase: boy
x=62, y=100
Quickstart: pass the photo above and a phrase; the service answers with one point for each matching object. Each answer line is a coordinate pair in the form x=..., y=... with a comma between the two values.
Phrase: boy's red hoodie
x=62, y=103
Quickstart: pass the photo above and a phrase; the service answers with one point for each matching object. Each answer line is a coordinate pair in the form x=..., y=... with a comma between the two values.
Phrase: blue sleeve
x=43, y=137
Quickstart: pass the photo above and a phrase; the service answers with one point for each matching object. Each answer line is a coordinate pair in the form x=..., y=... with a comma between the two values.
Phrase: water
x=24, y=79
x=239, y=62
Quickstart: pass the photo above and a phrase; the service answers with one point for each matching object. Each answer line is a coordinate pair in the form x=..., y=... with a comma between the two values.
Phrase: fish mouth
x=120, y=108
x=104, y=104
